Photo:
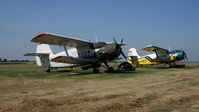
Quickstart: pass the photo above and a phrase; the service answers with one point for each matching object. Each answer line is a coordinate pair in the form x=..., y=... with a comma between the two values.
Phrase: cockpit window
x=172, y=51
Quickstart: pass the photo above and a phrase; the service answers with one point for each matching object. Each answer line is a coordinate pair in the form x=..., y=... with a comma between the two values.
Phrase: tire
x=126, y=67
x=110, y=69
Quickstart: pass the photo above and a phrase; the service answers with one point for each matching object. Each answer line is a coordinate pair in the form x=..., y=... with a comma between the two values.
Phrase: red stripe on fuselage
x=130, y=51
x=58, y=57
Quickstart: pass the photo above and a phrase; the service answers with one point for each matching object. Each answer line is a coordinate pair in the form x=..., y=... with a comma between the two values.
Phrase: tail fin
x=43, y=60
x=44, y=48
x=133, y=52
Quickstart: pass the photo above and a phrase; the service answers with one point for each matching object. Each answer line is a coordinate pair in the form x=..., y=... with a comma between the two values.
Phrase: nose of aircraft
x=180, y=55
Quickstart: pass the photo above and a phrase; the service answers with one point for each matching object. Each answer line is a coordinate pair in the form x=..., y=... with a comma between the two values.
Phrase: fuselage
x=98, y=55
x=153, y=59
x=176, y=55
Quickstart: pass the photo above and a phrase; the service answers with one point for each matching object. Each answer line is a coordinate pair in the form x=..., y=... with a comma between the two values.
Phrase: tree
x=4, y=60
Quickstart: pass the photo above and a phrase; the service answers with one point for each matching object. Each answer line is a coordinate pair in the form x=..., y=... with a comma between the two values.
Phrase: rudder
x=133, y=52
x=43, y=60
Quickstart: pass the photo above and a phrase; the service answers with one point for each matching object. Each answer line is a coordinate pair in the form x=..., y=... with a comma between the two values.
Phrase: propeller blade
x=121, y=41
x=114, y=40
x=118, y=53
x=123, y=54
x=185, y=56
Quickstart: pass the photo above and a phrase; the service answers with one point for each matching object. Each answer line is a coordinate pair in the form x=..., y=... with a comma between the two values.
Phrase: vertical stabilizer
x=43, y=60
x=44, y=48
x=133, y=52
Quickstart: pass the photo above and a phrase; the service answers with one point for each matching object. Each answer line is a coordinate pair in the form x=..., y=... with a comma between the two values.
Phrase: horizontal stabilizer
x=68, y=59
x=36, y=54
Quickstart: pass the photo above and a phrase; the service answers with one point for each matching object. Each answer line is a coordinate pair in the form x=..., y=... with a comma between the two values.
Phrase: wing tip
x=29, y=54
x=39, y=35
x=25, y=54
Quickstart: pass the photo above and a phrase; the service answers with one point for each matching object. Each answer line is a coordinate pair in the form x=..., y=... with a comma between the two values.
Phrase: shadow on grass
x=178, y=66
x=167, y=67
x=73, y=73
x=162, y=67
x=62, y=71
x=119, y=71
x=87, y=72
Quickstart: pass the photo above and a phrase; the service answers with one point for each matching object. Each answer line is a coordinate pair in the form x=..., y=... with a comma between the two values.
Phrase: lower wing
x=68, y=59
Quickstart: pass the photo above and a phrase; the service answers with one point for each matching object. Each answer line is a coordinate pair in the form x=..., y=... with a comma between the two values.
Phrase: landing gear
x=48, y=69
x=126, y=67
x=96, y=67
x=174, y=65
x=110, y=69
x=96, y=70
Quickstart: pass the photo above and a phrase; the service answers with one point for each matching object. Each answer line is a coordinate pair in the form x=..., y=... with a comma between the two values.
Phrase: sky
x=170, y=24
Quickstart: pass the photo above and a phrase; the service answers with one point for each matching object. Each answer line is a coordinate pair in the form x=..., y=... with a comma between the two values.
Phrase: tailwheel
x=126, y=67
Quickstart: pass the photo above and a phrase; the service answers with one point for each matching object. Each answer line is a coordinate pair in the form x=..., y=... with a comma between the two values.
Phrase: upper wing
x=162, y=54
x=53, y=39
x=68, y=59
x=36, y=54
x=154, y=49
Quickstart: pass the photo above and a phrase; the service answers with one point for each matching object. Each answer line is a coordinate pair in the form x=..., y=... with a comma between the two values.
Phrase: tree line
x=16, y=60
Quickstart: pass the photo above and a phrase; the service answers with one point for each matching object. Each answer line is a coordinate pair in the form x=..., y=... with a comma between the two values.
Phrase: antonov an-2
x=159, y=56
x=81, y=53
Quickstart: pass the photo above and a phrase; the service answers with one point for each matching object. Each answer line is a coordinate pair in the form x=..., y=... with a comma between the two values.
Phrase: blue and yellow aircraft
x=159, y=56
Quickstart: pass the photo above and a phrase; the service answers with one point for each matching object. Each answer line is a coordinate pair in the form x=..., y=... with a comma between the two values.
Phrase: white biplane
x=81, y=53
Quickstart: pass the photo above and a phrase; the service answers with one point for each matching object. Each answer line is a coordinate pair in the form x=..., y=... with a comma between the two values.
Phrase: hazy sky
x=173, y=23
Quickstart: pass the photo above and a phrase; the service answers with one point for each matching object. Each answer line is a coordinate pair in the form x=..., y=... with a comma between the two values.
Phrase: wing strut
x=66, y=50
x=156, y=53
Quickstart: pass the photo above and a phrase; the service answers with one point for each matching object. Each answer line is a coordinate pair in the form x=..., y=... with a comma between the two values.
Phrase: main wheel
x=126, y=66
x=48, y=70
x=110, y=69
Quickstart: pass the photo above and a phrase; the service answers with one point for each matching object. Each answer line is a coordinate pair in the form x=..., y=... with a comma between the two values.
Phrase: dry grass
x=163, y=90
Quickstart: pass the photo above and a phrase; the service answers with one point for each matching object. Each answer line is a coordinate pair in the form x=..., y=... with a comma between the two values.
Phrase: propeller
x=119, y=48
x=185, y=56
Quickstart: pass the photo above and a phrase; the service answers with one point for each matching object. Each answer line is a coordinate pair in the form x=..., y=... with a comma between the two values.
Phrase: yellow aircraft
x=159, y=56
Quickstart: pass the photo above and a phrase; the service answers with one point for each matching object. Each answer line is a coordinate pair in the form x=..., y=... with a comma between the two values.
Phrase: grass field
x=24, y=87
